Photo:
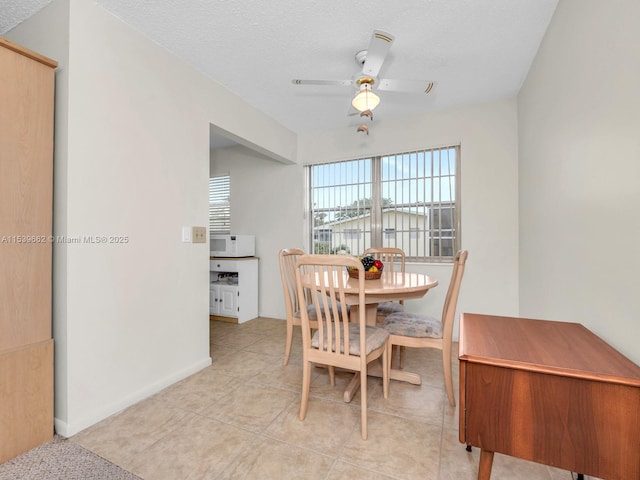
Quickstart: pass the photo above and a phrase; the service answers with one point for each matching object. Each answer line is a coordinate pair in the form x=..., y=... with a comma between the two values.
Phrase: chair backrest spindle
x=327, y=295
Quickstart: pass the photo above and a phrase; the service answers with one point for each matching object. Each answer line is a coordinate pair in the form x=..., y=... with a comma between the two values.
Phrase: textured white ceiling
x=477, y=50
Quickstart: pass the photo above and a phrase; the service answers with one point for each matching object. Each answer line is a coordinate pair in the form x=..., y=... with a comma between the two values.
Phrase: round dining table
x=391, y=286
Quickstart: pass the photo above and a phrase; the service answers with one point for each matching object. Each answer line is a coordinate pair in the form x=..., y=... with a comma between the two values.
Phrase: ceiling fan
x=366, y=81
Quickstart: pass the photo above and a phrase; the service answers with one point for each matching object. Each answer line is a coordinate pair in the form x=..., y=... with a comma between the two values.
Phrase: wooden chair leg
x=397, y=351
x=363, y=404
x=386, y=367
x=332, y=375
x=306, y=385
x=448, y=377
x=288, y=342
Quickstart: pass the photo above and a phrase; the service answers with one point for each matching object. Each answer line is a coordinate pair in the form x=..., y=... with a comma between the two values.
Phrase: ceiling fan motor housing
x=361, y=57
x=360, y=80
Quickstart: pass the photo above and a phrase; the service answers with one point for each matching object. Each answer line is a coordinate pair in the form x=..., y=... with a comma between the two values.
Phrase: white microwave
x=232, y=245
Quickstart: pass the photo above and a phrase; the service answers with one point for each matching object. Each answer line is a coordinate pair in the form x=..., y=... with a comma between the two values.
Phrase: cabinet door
x=214, y=305
x=228, y=301
x=248, y=284
x=26, y=170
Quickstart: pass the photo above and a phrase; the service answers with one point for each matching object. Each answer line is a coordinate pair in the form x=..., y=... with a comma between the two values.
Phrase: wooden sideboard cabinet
x=26, y=198
x=549, y=392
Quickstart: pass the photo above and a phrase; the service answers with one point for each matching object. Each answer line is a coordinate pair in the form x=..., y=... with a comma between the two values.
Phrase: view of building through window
x=406, y=200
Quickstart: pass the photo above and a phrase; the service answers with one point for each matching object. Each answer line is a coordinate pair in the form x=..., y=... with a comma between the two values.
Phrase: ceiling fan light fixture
x=365, y=99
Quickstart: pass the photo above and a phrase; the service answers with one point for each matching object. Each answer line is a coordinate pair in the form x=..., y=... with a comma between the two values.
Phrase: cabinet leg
x=486, y=462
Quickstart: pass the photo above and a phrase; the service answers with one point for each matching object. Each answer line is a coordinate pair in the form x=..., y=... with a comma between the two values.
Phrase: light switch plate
x=199, y=234
x=186, y=234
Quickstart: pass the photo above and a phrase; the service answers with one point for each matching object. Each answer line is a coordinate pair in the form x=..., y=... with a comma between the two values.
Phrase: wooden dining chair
x=420, y=331
x=293, y=304
x=394, y=261
x=338, y=342
x=287, y=259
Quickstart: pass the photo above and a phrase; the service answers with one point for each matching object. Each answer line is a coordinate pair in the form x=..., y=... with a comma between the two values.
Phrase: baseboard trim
x=223, y=319
x=68, y=429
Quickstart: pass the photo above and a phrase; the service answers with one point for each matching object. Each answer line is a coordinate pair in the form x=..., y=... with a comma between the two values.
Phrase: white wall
x=132, y=318
x=268, y=199
x=579, y=148
x=487, y=134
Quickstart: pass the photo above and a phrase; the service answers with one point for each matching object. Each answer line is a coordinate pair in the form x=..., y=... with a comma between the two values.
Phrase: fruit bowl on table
x=367, y=275
x=372, y=268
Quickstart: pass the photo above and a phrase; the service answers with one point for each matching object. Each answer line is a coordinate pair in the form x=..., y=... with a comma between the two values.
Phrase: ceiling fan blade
x=377, y=52
x=345, y=83
x=408, y=86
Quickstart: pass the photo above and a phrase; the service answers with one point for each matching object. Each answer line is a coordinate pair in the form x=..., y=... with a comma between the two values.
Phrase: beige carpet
x=60, y=459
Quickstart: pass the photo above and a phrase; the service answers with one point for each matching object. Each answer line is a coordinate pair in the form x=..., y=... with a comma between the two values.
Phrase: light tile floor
x=238, y=419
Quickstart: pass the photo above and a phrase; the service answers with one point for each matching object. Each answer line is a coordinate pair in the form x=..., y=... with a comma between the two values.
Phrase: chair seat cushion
x=387, y=308
x=375, y=338
x=413, y=325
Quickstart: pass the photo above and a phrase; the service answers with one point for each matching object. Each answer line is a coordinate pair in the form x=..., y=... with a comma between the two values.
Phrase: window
x=406, y=200
x=219, y=206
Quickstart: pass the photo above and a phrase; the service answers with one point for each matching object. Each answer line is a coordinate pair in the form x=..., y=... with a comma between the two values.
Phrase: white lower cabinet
x=223, y=300
x=234, y=288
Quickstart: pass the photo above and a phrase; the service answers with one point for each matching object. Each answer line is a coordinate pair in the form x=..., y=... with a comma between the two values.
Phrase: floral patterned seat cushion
x=387, y=308
x=413, y=325
x=375, y=336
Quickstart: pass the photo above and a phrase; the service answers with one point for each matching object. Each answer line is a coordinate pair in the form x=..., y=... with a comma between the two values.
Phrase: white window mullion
x=376, y=202
x=422, y=209
x=398, y=195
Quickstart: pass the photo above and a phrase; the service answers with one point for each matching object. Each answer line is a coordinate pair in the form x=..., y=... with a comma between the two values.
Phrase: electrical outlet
x=199, y=234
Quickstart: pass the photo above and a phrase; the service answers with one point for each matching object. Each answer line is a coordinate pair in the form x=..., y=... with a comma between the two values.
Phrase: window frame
x=379, y=234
